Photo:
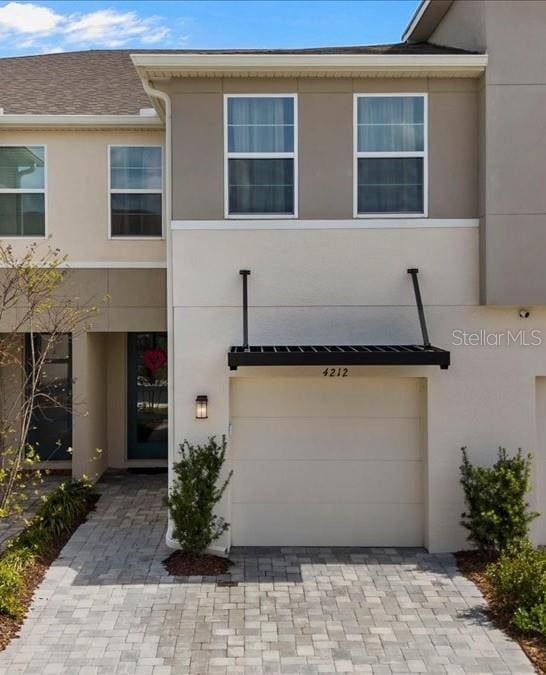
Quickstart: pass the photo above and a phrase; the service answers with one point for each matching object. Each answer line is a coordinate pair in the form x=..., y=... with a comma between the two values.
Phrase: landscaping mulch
x=180, y=564
x=472, y=565
x=34, y=574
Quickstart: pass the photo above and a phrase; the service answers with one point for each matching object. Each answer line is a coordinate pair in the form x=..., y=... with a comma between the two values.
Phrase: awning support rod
x=414, y=271
x=245, y=274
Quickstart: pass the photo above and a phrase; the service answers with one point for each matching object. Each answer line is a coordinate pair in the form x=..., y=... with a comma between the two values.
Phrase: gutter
x=81, y=121
x=157, y=94
x=307, y=65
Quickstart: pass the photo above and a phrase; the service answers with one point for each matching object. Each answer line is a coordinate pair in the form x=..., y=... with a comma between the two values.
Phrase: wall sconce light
x=201, y=404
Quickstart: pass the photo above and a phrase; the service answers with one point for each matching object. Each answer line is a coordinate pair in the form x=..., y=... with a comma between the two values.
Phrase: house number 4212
x=335, y=372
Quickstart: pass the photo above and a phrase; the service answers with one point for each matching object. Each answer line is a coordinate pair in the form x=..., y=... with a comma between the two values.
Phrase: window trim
x=154, y=191
x=43, y=191
x=260, y=155
x=359, y=155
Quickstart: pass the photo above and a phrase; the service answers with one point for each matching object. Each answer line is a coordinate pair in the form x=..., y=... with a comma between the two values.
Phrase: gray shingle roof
x=104, y=82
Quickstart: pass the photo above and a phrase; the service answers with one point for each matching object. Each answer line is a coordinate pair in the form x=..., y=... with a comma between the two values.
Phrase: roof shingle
x=104, y=82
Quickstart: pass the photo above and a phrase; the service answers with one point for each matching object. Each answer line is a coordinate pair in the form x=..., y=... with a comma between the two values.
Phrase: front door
x=147, y=395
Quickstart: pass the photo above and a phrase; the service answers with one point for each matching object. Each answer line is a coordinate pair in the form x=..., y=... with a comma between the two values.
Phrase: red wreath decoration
x=154, y=359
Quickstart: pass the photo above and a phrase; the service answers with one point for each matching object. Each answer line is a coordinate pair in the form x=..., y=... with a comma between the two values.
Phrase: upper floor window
x=136, y=194
x=22, y=191
x=261, y=148
x=391, y=143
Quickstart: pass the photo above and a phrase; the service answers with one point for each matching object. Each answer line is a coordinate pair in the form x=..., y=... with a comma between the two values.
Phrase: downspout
x=163, y=96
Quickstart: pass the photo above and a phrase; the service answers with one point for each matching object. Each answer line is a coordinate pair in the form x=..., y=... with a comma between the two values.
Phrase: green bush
x=497, y=514
x=518, y=584
x=518, y=578
x=194, y=494
x=64, y=506
x=57, y=514
x=11, y=588
x=533, y=620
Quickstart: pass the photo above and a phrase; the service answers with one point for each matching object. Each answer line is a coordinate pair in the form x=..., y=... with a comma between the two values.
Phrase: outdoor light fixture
x=201, y=402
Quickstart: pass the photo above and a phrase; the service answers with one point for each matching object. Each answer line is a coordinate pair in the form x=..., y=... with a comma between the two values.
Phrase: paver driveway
x=107, y=606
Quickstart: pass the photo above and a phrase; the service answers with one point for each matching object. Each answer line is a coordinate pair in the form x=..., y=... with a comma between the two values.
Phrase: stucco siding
x=77, y=199
x=351, y=287
x=125, y=299
x=325, y=268
x=512, y=146
x=463, y=26
x=325, y=149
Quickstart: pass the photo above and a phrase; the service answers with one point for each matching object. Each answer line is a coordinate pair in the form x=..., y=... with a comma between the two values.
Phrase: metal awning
x=339, y=355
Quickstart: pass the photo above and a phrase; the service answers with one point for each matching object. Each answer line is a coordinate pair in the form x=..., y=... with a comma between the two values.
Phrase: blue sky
x=36, y=26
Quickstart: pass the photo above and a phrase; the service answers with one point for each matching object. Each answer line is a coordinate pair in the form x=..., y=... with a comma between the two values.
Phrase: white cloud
x=26, y=26
x=112, y=28
x=25, y=18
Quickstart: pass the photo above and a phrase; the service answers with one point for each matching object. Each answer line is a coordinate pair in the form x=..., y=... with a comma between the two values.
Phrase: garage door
x=327, y=462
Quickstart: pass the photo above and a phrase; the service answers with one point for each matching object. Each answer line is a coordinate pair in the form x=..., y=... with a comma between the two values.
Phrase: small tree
x=497, y=514
x=195, y=493
x=32, y=301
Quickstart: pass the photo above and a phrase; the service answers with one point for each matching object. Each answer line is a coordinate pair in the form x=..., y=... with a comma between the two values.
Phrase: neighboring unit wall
x=128, y=300
x=514, y=144
x=463, y=26
x=77, y=198
x=325, y=147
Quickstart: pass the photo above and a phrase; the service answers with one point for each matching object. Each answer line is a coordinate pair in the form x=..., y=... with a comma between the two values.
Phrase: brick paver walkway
x=107, y=606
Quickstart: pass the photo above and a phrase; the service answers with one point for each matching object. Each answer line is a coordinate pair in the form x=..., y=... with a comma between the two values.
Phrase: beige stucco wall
x=351, y=287
x=126, y=299
x=89, y=435
x=77, y=192
x=325, y=148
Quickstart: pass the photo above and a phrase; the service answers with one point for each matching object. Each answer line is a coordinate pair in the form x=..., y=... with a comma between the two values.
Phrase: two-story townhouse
x=81, y=168
x=324, y=175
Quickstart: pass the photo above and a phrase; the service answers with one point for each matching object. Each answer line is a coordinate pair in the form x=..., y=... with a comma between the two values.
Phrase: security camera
x=524, y=313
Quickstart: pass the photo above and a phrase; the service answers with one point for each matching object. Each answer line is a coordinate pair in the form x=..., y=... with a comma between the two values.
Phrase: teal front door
x=147, y=395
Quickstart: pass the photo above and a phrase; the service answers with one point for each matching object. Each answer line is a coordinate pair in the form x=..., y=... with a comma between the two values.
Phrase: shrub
x=497, y=515
x=533, y=620
x=58, y=513
x=194, y=494
x=11, y=588
x=518, y=578
x=65, y=506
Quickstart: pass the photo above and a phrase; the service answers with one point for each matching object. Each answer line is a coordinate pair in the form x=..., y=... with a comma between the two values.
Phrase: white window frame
x=16, y=191
x=260, y=155
x=154, y=191
x=359, y=155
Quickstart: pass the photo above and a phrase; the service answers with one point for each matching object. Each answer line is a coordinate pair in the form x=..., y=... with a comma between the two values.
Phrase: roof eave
x=425, y=19
x=81, y=121
x=165, y=66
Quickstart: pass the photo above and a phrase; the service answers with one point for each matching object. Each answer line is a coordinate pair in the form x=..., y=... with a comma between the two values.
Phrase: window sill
x=400, y=215
x=260, y=216
x=137, y=238
x=23, y=236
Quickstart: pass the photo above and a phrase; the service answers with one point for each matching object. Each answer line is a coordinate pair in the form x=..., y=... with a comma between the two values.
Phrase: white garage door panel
x=330, y=482
x=327, y=461
x=363, y=438
x=327, y=525
x=326, y=397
